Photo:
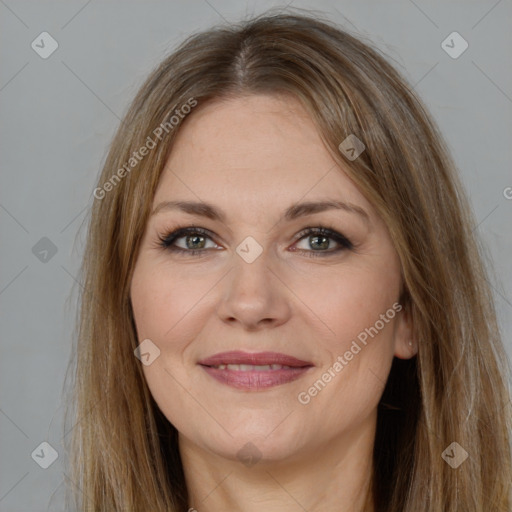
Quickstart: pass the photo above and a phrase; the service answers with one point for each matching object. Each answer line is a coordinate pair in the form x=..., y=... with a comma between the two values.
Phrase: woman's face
x=254, y=281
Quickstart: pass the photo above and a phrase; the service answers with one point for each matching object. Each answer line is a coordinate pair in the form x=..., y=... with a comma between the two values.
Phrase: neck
x=334, y=476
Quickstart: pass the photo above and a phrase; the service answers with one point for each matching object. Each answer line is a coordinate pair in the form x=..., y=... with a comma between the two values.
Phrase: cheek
x=361, y=310
x=162, y=300
x=346, y=301
x=160, y=305
x=358, y=308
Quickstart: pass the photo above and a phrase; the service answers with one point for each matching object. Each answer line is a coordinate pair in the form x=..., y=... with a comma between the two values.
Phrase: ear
x=405, y=345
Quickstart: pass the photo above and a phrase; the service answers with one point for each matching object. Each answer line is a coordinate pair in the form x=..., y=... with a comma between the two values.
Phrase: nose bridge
x=251, y=270
x=252, y=291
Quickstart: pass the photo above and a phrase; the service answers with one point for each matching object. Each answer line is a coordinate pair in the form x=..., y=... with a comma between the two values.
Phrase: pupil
x=195, y=239
x=323, y=245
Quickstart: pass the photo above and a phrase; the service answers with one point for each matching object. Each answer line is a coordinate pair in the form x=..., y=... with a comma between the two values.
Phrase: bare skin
x=282, y=448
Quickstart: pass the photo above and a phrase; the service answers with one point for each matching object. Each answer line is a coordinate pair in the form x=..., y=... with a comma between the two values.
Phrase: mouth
x=254, y=371
x=250, y=367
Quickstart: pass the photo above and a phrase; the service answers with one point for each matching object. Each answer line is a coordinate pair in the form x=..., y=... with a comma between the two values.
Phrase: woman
x=284, y=305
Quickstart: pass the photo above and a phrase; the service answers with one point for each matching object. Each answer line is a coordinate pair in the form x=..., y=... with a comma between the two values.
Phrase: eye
x=320, y=238
x=195, y=241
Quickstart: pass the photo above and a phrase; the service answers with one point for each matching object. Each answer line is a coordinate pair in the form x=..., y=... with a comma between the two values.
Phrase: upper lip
x=254, y=358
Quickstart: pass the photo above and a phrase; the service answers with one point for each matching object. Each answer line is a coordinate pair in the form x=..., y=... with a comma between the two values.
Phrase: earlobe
x=405, y=344
x=405, y=351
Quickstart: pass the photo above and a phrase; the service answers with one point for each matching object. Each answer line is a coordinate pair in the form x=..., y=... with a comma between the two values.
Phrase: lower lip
x=254, y=380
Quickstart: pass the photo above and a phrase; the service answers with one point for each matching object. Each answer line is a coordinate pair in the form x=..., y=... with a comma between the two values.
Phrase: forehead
x=257, y=152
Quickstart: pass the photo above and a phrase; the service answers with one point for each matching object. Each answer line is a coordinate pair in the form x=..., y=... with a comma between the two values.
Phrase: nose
x=253, y=295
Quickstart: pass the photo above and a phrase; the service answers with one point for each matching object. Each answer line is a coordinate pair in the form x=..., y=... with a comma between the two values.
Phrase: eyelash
x=166, y=241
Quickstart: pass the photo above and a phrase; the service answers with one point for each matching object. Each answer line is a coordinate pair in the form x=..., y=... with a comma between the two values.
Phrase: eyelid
x=320, y=230
x=180, y=232
x=326, y=231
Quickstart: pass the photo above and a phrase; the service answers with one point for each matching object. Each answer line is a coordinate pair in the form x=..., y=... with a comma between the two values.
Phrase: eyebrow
x=293, y=212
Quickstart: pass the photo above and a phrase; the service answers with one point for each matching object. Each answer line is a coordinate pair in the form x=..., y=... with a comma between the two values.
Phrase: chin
x=251, y=446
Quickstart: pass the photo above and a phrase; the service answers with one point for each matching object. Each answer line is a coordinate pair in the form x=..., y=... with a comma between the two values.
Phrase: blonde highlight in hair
x=124, y=453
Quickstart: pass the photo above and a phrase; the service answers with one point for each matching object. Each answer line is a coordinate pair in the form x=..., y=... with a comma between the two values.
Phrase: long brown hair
x=124, y=453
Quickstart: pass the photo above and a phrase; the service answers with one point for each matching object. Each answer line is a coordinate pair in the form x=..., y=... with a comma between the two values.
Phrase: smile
x=254, y=371
x=251, y=367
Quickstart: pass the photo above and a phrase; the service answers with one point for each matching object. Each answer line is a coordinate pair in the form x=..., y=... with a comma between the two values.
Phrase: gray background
x=59, y=115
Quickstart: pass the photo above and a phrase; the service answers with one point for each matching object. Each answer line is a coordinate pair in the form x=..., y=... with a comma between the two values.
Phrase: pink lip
x=256, y=358
x=254, y=380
